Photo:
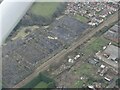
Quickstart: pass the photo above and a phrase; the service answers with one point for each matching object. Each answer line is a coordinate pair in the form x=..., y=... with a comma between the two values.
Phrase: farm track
x=60, y=55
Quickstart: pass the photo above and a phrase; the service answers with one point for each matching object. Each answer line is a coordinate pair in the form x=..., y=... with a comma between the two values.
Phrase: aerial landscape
x=63, y=45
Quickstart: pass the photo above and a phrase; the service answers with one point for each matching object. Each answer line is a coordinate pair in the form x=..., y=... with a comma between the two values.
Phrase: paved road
x=60, y=55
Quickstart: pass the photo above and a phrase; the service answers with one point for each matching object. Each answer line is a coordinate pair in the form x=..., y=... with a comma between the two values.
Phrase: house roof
x=112, y=51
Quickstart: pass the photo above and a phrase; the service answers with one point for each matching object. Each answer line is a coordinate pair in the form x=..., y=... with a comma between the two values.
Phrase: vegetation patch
x=78, y=84
x=81, y=18
x=41, y=81
x=118, y=82
x=85, y=69
x=45, y=9
x=95, y=45
x=88, y=76
x=41, y=85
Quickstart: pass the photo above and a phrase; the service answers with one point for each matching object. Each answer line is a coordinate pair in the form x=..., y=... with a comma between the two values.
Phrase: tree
x=118, y=82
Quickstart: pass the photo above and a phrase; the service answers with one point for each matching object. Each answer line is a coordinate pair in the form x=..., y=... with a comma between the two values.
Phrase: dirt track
x=60, y=55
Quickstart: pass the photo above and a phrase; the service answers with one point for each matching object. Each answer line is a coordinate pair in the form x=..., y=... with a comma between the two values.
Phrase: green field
x=41, y=81
x=81, y=18
x=78, y=84
x=86, y=69
x=96, y=45
x=41, y=85
x=45, y=9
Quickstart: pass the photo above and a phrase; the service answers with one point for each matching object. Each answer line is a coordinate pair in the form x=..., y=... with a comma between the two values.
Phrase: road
x=60, y=55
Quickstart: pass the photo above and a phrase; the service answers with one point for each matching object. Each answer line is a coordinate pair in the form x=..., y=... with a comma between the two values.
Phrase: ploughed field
x=22, y=56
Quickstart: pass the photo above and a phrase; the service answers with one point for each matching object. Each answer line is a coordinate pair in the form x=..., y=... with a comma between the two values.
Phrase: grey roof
x=112, y=51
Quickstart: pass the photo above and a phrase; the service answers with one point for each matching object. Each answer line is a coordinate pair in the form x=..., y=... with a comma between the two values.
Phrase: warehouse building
x=111, y=52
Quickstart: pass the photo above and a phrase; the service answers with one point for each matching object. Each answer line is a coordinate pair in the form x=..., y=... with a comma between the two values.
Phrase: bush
x=118, y=82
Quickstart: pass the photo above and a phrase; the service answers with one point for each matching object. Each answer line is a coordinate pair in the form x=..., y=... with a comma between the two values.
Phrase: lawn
x=85, y=69
x=95, y=45
x=81, y=18
x=41, y=81
x=78, y=84
x=41, y=85
x=45, y=9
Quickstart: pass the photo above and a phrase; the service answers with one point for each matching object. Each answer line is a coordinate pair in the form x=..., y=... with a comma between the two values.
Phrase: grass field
x=78, y=84
x=45, y=9
x=95, y=45
x=81, y=18
x=41, y=85
x=41, y=81
x=86, y=69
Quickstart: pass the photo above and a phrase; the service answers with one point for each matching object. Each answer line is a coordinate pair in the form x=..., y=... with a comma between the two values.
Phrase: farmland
x=63, y=45
x=35, y=48
x=84, y=72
